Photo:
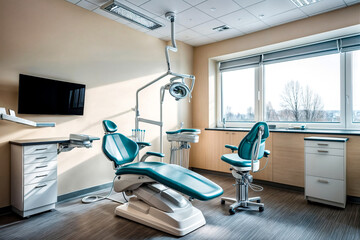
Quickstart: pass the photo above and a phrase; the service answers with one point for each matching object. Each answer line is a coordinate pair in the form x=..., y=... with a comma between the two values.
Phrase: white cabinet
x=325, y=170
x=33, y=178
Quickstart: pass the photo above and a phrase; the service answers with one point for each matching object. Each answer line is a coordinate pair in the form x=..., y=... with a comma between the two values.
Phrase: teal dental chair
x=247, y=159
x=150, y=185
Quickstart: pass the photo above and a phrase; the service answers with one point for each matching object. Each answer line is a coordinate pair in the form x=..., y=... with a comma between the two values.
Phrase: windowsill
x=285, y=130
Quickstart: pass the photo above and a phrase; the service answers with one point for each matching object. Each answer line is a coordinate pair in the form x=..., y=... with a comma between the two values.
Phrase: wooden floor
x=287, y=216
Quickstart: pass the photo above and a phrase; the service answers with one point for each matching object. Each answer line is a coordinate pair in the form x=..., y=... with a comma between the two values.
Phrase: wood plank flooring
x=287, y=216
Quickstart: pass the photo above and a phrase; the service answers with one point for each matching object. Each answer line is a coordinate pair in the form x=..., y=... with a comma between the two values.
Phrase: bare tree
x=291, y=99
x=312, y=105
x=302, y=104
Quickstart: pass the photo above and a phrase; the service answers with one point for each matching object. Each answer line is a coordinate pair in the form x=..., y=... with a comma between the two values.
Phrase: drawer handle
x=40, y=157
x=44, y=175
x=41, y=186
x=43, y=166
x=323, y=144
x=322, y=181
x=323, y=151
x=40, y=149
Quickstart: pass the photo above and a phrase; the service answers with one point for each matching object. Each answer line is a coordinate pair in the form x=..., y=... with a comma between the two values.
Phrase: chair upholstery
x=119, y=148
x=175, y=177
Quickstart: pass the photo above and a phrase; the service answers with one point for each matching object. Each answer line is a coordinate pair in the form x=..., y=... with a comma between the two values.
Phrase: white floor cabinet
x=325, y=170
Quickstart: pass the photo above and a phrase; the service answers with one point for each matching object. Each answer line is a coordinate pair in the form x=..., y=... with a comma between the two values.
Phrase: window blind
x=311, y=50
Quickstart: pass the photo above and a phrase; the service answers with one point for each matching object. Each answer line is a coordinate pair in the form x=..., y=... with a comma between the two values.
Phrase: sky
x=321, y=74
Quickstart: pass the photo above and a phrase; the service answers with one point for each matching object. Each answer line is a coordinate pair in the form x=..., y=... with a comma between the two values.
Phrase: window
x=316, y=84
x=356, y=86
x=238, y=102
x=304, y=90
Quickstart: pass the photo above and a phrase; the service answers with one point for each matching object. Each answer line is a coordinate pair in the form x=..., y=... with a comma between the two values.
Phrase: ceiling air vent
x=221, y=28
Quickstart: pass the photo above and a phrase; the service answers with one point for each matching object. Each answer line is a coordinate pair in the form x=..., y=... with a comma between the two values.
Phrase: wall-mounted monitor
x=46, y=96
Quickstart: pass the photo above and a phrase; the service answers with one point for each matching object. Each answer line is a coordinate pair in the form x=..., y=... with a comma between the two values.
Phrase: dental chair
x=153, y=186
x=247, y=159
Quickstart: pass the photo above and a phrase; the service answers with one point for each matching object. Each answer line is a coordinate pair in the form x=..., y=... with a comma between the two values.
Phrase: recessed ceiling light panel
x=302, y=3
x=131, y=15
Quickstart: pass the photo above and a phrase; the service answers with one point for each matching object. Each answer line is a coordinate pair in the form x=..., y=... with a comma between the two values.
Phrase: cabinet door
x=215, y=149
x=197, y=151
x=267, y=173
x=288, y=158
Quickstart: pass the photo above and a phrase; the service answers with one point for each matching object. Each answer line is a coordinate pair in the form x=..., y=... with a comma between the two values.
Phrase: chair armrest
x=143, y=144
x=231, y=147
x=148, y=154
x=266, y=153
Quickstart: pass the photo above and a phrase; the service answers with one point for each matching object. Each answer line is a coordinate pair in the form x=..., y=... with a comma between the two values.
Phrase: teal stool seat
x=175, y=177
x=234, y=160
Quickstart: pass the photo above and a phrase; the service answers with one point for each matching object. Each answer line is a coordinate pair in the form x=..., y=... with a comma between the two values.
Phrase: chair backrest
x=117, y=147
x=246, y=145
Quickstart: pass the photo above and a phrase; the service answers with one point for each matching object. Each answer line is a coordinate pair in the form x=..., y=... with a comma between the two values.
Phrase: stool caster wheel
x=258, y=201
x=222, y=202
x=261, y=209
x=231, y=211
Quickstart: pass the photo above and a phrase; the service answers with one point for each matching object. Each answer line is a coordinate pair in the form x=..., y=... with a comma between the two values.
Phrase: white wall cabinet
x=325, y=170
x=33, y=178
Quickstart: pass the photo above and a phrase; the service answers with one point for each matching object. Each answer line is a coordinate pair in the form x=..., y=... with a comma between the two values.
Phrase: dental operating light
x=131, y=15
x=177, y=86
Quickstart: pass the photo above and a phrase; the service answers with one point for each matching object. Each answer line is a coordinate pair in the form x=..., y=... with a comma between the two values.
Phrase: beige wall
x=331, y=24
x=58, y=40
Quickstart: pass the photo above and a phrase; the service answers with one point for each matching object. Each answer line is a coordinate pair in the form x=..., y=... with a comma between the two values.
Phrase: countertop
x=305, y=131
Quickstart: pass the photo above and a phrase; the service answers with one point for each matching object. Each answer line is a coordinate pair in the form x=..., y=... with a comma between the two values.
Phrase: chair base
x=249, y=204
x=178, y=223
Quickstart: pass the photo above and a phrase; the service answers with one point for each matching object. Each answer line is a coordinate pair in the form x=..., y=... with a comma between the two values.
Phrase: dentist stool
x=251, y=149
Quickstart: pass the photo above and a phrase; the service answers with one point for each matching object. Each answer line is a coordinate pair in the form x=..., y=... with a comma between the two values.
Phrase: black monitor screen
x=45, y=96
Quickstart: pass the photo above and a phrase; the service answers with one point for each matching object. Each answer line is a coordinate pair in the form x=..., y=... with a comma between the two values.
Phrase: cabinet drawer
x=40, y=167
x=325, y=151
x=32, y=178
x=324, y=144
x=324, y=166
x=40, y=194
x=41, y=157
x=43, y=148
x=326, y=189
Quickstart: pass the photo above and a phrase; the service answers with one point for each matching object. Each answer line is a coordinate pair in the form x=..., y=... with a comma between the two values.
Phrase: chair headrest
x=109, y=126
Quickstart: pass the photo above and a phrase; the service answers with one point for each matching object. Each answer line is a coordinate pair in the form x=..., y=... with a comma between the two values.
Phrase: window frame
x=345, y=99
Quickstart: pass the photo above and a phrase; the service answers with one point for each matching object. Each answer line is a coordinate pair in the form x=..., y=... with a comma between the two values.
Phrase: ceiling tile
x=105, y=14
x=98, y=2
x=87, y=5
x=252, y=27
x=207, y=28
x=194, y=2
x=192, y=17
x=231, y=33
x=285, y=17
x=136, y=8
x=73, y=1
x=270, y=8
x=187, y=34
x=137, y=2
x=166, y=29
x=322, y=6
x=160, y=7
x=239, y=18
x=246, y=3
x=216, y=8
